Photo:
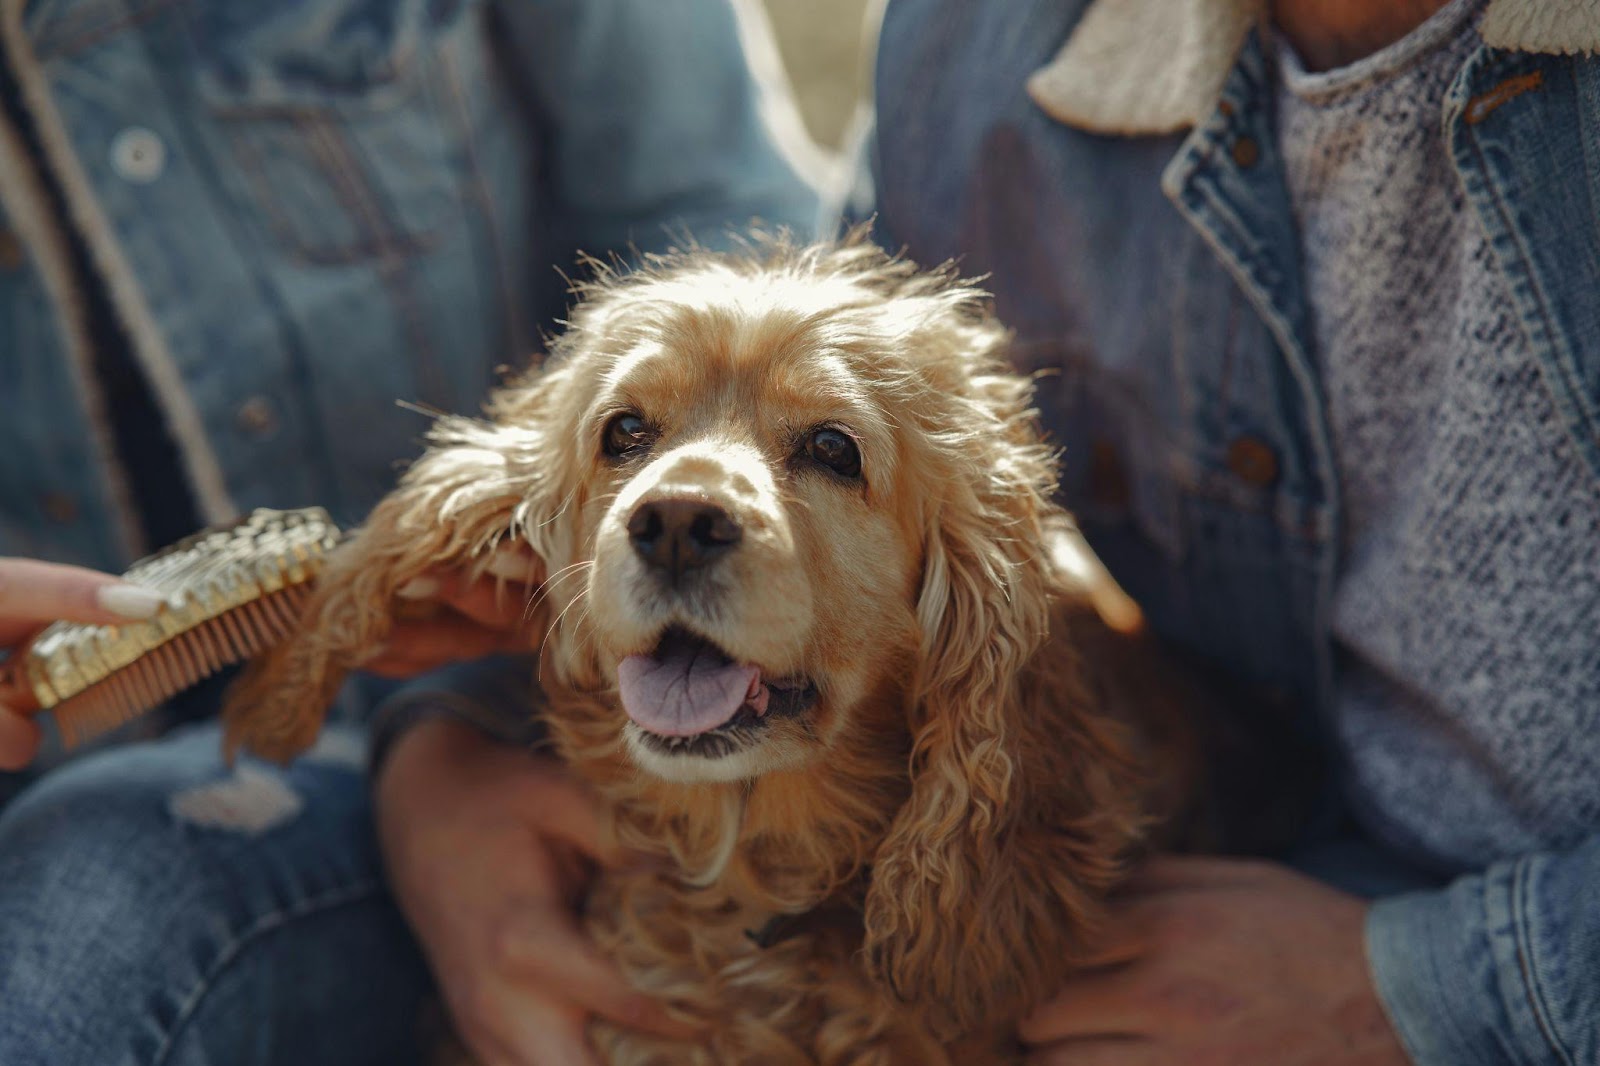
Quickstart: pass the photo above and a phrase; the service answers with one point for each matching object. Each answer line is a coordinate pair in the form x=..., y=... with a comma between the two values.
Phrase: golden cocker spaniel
x=806, y=628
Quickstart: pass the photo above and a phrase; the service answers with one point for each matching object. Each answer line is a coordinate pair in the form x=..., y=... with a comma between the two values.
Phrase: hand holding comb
x=231, y=593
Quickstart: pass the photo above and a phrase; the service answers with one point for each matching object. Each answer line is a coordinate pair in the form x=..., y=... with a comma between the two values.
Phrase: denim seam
x=235, y=948
x=515, y=326
x=1522, y=915
x=1551, y=354
x=81, y=37
x=200, y=462
x=353, y=184
x=280, y=224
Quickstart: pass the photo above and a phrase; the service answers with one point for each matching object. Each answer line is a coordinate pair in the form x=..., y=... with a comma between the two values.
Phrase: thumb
x=33, y=592
x=19, y=739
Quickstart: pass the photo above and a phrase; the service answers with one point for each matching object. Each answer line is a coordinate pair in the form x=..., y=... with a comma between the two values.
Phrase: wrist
x=420, y=759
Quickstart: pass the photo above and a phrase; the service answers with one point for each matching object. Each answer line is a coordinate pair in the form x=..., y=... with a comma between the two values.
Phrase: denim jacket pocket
x=332, y=122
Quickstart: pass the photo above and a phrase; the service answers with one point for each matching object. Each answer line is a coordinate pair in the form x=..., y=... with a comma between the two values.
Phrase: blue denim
x=1155, y=283
x=158, y=907
x=302, y=214
x=319, y=209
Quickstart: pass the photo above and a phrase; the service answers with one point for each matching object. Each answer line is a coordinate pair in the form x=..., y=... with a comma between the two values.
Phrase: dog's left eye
x=835, y=450
x=626, y=434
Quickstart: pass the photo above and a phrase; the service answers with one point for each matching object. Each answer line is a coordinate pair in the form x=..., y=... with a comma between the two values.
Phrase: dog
x=815, y=630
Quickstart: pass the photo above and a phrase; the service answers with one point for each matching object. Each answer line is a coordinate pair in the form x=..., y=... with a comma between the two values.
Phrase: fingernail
x=510, y=564
x=130, y=601
x=418, y=588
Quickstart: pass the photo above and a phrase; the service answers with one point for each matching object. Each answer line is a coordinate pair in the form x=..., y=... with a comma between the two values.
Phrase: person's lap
x=157, y=906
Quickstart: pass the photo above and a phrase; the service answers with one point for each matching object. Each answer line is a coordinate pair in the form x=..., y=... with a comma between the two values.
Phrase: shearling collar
x=1156, y=66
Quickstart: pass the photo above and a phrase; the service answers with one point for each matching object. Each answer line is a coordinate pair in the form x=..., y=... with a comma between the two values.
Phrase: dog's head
x=783, y=500
x=776, y=491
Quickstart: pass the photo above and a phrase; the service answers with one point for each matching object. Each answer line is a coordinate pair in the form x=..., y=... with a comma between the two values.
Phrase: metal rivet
x=1246, y=152
x=59, y=508
x=257, y=416
x=138, y=155
x=1254, y=460
x=11, y=254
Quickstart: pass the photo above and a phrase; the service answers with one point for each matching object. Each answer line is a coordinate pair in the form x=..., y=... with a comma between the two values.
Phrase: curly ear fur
x=1022, y=801
x=480, y=483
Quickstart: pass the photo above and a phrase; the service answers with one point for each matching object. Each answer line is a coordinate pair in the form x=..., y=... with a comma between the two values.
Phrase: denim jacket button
x=257, y=417
x=138, y=155
x=1246, y=152
x=60, y=508
x=1254, y=460
x=11, y=254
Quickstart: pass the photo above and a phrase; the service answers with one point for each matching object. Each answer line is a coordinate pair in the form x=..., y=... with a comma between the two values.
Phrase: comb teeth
x=231, y=594
x=182, y=662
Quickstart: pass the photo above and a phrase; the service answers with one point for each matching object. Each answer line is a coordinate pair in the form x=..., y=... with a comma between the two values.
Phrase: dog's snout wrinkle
x=675, y=536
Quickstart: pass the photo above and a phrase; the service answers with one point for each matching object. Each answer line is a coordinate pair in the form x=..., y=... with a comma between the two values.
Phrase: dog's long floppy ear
x=480, y=484
x=993, y=865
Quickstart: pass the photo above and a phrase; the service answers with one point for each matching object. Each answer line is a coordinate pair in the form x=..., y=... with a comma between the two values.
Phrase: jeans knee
x=129, y=878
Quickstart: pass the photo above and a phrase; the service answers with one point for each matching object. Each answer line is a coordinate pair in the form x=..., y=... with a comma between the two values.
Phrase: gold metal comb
x=232, y=593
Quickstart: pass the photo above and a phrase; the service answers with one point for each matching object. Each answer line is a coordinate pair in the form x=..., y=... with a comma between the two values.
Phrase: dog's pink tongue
x=685, y=692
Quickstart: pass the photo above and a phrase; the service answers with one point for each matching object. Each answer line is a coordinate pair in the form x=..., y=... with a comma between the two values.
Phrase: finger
x=517, y=565
x=494, y=590
x=514, y=1029
x=14, y=634
x=1104, y=1051
x=417, y=647
x=491, y=603
x=1166, y=873
x=19, y=740
x=34, y=592
x=565, y=810
x=1116, y=1002
x=546, y=948
x=1129, y=929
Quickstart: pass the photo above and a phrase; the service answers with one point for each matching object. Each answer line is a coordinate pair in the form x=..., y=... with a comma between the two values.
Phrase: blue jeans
x=157, y=907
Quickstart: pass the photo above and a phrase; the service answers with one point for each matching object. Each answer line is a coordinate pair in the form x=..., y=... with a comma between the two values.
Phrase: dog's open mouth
x=690, y=697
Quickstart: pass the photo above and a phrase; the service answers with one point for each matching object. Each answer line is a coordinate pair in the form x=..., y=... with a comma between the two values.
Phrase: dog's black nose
x=676, y=536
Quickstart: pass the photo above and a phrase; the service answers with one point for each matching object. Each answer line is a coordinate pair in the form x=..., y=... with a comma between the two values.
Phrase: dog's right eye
x=627, y=434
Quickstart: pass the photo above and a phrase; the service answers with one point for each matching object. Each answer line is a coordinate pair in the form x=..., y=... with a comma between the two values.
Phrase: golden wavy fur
x=949, y=811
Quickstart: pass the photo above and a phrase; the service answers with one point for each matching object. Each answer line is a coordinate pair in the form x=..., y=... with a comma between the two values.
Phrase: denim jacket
x=305, y=212
x=1111, y=167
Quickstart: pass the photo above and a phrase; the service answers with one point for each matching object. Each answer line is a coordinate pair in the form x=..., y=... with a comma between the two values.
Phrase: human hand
x=32, y=595
x=450, y=617
x=1214, y=961
x=490, y=850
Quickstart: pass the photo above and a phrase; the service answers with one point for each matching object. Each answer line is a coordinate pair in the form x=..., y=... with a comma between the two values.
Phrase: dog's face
x=742, y=457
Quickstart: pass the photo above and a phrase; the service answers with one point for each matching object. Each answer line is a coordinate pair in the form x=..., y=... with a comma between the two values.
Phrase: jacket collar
x=1156, y=66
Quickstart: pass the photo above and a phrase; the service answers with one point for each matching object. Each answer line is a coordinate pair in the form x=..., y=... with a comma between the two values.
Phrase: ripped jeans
x=157, y=907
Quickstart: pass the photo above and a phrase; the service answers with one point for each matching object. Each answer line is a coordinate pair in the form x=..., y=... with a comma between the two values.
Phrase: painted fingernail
x=510, y=564
x=418, y=588
x=130, y=601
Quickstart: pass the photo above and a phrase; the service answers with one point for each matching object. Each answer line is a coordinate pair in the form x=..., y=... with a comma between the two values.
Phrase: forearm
x=1502, y=966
